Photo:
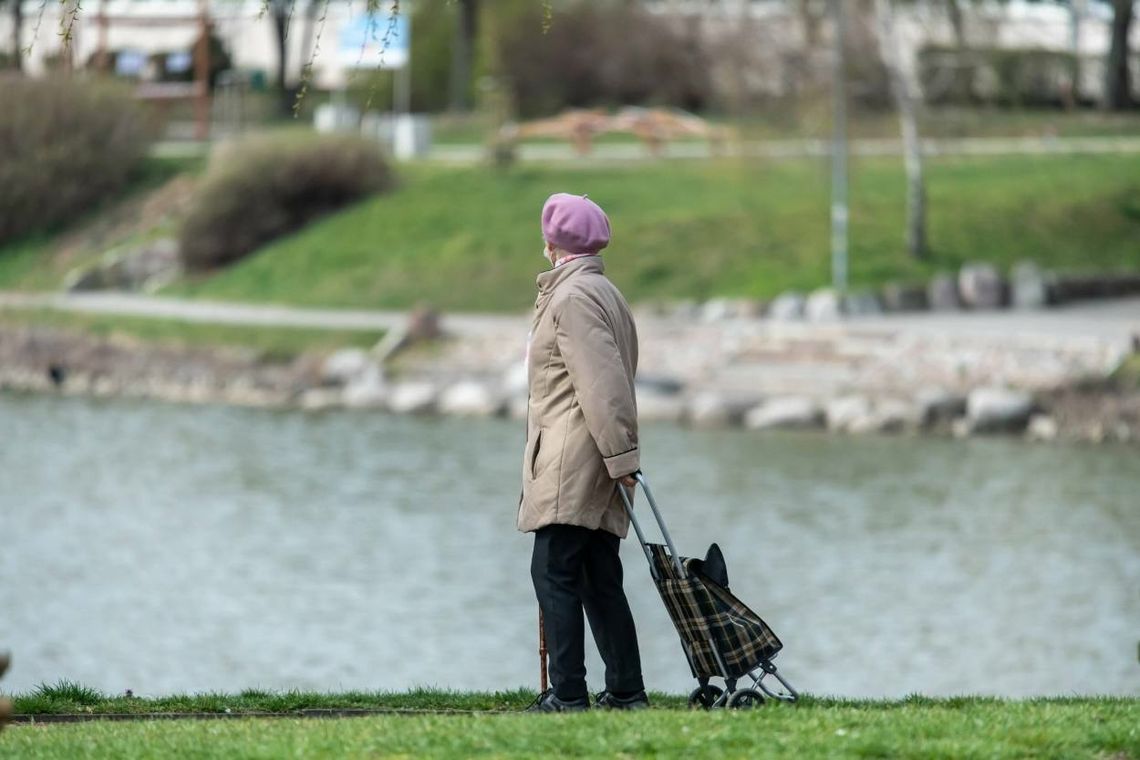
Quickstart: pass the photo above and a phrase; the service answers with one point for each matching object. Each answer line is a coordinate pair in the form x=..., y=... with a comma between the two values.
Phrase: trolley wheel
x=703, y=697
x=745, y=699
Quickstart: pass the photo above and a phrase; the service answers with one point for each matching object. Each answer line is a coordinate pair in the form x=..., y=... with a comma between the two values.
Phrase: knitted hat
x=575, y=224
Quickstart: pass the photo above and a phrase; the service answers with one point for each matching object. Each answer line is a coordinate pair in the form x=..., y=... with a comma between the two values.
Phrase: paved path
x=466, y=154
x=745, y=356
x=1111, y=320
x=228, y=313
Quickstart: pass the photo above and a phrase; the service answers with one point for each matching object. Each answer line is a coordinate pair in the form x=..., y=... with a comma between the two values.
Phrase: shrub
x=66, y=145
x=600, y=53
x=1022, y=77
x=258, y=189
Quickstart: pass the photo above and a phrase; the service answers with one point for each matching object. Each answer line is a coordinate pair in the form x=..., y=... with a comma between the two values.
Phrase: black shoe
x=548, y=701
x=610, y=701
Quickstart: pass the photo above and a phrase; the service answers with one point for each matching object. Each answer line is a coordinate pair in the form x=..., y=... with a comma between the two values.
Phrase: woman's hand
x=628, y=481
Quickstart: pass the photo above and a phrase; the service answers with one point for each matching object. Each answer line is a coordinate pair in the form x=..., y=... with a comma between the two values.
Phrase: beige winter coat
x=582, y=417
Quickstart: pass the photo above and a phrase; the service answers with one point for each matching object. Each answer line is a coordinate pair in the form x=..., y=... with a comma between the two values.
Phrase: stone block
x=998, y=409
x=1029, y=286
x=901, y=297
x=942, y=293
x=788, y=412
x=823, y=305
x=470, y=398
x=787, y=307
x=981, y=286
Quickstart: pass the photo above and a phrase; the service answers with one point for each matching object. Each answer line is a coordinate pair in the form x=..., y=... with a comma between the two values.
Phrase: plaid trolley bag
x=721, y=637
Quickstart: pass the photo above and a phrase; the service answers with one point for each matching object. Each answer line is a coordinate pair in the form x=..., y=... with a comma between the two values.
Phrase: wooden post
x=202, y=75
x=102, y=61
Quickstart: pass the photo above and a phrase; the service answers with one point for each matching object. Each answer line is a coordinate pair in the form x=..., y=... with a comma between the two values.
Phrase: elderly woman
x=581, y=441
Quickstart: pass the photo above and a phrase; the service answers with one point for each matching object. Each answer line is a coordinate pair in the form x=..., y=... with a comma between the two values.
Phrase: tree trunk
x=1117, y=87
x=957, y=23
x=280, y=10
x=904, y=94
x=961, y=71
x=307, y=36
x=1077, y=9
x=17, y=36
x=809, y=20
x=463, y=54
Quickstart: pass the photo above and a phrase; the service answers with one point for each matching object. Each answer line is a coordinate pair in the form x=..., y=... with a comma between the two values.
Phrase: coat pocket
x=534, y=454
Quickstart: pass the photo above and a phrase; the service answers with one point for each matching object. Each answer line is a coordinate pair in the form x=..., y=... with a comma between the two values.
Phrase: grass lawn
x=139, y=215
x=469, y=238
x=271, y=342
x=916, y=727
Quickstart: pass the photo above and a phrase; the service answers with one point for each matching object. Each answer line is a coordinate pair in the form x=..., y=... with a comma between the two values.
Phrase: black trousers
x=576, y=569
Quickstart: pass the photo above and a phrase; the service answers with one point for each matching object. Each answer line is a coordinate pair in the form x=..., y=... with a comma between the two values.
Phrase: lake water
x=166, y=548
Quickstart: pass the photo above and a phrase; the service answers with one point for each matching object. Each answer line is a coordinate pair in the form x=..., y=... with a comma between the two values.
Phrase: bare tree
x=811, y=16
x=1117, y=87
x=17, y=10
x=958, y=24
x=281, y=14
x=463, y=53
x=903, y=89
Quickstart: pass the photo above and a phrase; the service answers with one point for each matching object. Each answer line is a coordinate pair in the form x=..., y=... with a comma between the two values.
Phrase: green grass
x=470, y=239
x=35, y=262
x=817, y=728
x=270, y=342
x=1127, y=375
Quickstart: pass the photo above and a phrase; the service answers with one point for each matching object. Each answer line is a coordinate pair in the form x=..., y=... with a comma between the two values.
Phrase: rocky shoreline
x=459, y=377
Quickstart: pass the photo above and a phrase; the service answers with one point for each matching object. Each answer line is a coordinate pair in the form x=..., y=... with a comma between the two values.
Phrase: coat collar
x=550, y=279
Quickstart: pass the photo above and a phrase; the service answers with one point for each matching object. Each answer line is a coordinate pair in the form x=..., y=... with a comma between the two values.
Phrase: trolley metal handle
x=640, y=478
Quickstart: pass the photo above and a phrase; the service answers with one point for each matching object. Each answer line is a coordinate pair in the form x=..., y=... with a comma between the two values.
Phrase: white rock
x=942, y=293
x=1029, y=288
x=515, y=379
x=319, y=399
x=517, y=407
x=717, y=310
x=787, y=307
x=936, y=405
x=470, y=398
x=412, y=397
x=710, y=409
x=981, y=286
x=895, y=415
x=862, y=303
x=1042, y=427
x=842, y=412
x=342, y=366
x=785, y=412
x=659, y=407
x=367, y=390
x=990, y=409
x=823, y=305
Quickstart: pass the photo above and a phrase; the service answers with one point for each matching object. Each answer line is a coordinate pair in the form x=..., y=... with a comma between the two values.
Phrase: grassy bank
x=270, y=341
x=150, y=207
x=469, y=238
x=917, y=727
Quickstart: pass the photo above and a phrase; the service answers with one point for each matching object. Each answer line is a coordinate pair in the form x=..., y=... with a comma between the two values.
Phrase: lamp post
x=839, y=210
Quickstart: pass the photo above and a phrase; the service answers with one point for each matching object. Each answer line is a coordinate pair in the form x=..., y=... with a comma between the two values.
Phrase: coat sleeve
x=601, y=382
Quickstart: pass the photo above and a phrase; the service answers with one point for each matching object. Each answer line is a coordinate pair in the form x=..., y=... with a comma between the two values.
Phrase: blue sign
x=375, y=41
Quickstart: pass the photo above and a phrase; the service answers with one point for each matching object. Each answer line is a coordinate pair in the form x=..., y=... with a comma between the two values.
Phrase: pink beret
x=575, y=224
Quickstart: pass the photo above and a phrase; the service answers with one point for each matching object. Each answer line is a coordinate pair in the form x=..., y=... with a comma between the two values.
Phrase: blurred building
x=762, y=41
